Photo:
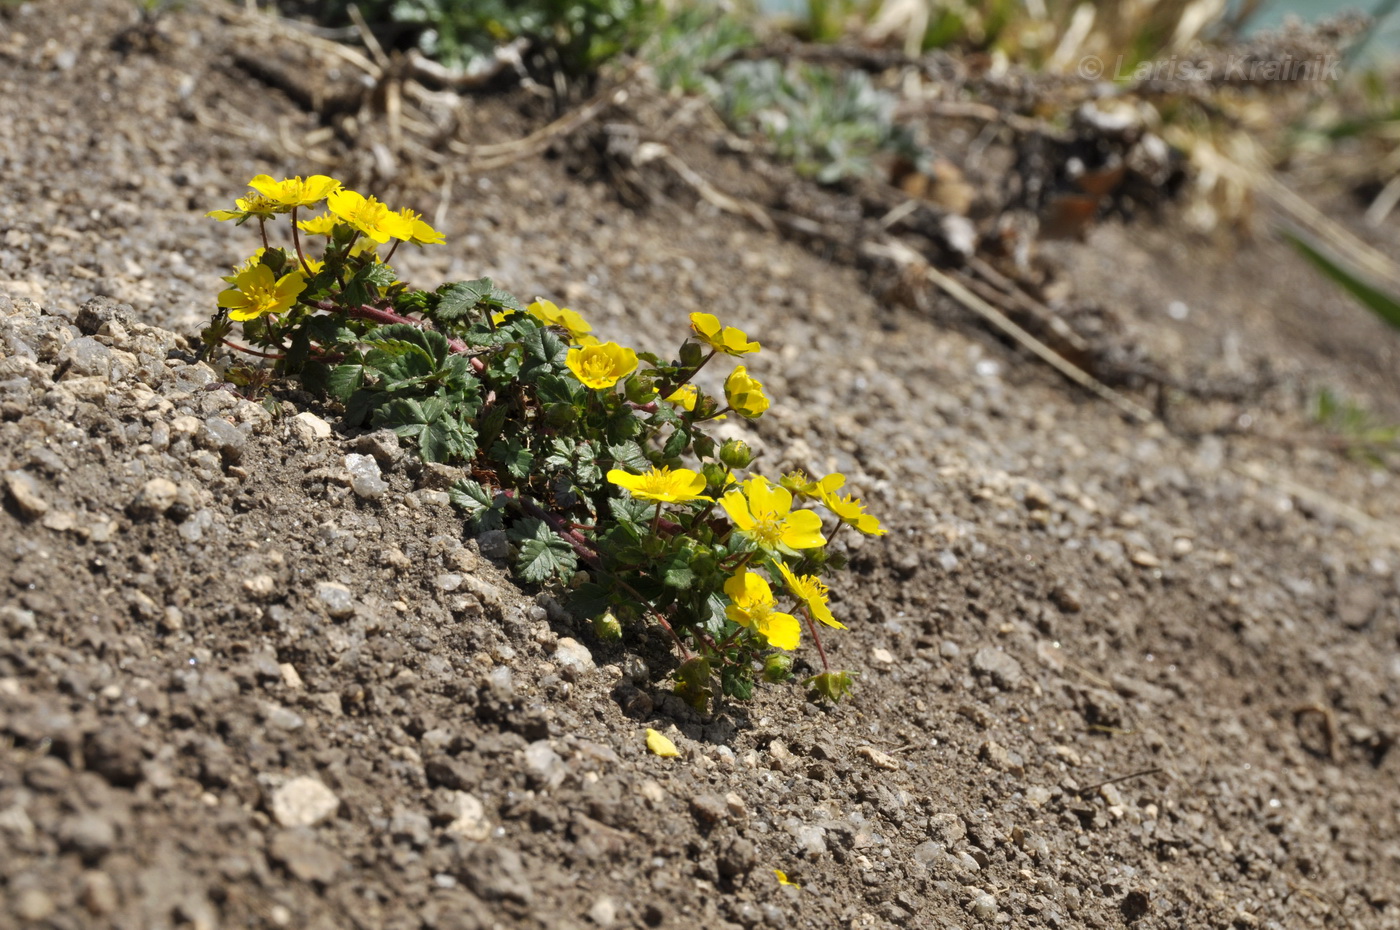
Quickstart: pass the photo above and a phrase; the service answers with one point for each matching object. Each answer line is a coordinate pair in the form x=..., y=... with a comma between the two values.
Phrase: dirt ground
x=1111, y=673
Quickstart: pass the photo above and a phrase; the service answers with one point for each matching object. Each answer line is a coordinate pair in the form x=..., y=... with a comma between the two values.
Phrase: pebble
x=27, y=494
x=603, y=912
x=572, y=655
x=336, y=598
x=946, y=828
x=33, y=905
x=708, y=809
x=299, y=852
x=1001, y=758
x=543, y=765
x=984, y=906
x=494, y=544
x=1000, y=667
x=470, y=822
x=411, y=827
x=365, y=479
x=303, y=802
x=310, y=428
x=97, y=893
x=155, y=498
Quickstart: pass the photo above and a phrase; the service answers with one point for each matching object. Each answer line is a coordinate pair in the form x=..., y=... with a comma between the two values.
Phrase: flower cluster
x=592, y=455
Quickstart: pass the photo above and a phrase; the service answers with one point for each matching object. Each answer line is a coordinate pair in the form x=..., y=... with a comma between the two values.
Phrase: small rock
x=155, y=497
x=782, y=758
x=1003, y=670
x=223, y=437
x=98, y=893
x=603, y=912
x=883, y=656
x=946, y=828
x=1038, y=795
x=1001, y=758
x=27, y=494
x=738, y=858
x=303, y=802
x=300, y=854
x=89, y=835
x=382, y=444
x=290, y=678
x=336, y=598
x=33, y=905
x=984, y=907
x=543, y=766
x=494, y=544
x=471, y=822
x=260, y=586
x=708, y=809
x=1145, y=559
x=572, y=655
x=310, y=428
x=282, y=718
x=365, y=479
x=495, y=873
x=412, y=827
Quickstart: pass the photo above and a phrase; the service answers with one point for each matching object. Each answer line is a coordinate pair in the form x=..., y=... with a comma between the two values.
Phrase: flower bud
x=777, y=667
x=714, y=474
x=606, y=627
x=735, y=453
x=641, y=388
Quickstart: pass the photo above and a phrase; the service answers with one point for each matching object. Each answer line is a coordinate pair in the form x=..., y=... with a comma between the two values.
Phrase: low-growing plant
x=584, y=33
x=592, y=457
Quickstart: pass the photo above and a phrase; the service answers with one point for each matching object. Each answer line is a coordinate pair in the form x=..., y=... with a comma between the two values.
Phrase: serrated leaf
x=345, y=380
x=542, y=345
x=676, y=573
x=675, y=444
x=630, y=457
x=515, y=460
x=631, y=510
x=543, y=555
x=466, y=297
x=470, y=496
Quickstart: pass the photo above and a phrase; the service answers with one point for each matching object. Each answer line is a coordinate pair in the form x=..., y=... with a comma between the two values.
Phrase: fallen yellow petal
x=783, y=879
x=660, y=745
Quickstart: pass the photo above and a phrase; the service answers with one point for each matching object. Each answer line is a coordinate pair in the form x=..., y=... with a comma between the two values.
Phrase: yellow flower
x=745, y=394
x=751, y=606
x=851, y=510
x=254, y=205
x=323, y=225
x=810, y=591
x=662, y=484
x=368, y=215
x=726, y=339
x=601, y=366
x=294, y=192
x=763, y=512
x=847, y=508
x=684, y=396
x=419, y=231
x=255, y=292
x=547, y=313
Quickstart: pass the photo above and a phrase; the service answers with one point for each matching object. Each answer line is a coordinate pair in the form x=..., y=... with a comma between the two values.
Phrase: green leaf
x=676, y=573
x=543, y=555
x=630, y=457
x=467, y=297
x=736, y=681
x=509, y=454
x=542, y=347
x=345, y=380
x=487, y=510
x=1383, y=305
x=675, y=444
x=630, y=511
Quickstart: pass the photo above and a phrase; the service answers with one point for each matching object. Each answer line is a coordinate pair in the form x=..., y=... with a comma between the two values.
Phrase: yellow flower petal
x=726, y=339
x=660, y=745
x=601, y=366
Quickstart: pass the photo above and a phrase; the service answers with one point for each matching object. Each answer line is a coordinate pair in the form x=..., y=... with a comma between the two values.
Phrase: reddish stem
x=235, y=346
x=816, y=638
x=379, y=315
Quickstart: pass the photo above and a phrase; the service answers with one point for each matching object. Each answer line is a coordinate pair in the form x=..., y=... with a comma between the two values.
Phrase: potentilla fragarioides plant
x=591, y=456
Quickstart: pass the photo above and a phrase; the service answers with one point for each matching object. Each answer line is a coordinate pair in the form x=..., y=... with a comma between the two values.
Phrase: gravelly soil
x=238, y=688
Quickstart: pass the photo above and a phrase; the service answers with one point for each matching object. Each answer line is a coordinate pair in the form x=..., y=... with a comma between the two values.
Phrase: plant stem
x=235, y=346
x=379, y=315
x=816, y=638
x=296, y=244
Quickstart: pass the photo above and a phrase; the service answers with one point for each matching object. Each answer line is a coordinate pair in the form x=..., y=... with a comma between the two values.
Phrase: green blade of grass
x=1379, y=302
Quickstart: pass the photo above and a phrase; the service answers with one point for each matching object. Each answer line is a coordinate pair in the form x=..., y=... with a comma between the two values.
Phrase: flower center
x=767, y=528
